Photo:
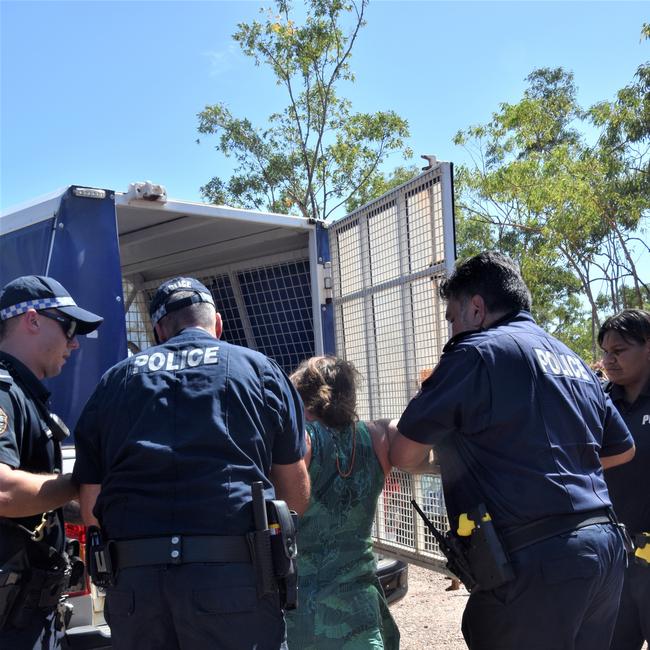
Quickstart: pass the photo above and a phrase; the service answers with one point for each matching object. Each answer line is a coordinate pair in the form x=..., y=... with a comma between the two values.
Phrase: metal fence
x=388, y=259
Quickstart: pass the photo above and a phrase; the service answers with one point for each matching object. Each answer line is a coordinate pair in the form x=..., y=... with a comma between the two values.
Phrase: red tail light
x=77, y=535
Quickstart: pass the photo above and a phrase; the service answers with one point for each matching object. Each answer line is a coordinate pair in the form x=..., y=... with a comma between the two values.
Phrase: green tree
x=624, y=150
x=380, y=183
x=313, y=156
x=564, y=209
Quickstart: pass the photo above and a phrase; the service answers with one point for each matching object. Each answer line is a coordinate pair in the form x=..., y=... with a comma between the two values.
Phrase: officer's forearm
x=291, y=483
x=429, y=465
x=408, y=455
x=88, y=493
x=617, y=459
x=23, y=494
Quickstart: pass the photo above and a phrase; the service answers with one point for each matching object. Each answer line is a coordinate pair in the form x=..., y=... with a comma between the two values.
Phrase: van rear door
x=388, y=260
x=71, y=236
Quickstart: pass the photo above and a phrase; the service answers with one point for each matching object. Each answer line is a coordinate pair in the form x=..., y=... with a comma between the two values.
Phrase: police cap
x=161, y=305
x=39, y=292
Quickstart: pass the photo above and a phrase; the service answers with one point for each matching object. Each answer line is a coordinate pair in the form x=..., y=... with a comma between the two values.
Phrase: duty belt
x=179, y=549
x=515, y=539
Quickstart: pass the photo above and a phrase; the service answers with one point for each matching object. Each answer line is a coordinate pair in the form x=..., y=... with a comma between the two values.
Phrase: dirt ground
x=428, y=616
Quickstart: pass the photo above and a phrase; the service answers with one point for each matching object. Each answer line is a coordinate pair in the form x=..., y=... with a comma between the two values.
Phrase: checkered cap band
x=162, y=310
x=42, y=303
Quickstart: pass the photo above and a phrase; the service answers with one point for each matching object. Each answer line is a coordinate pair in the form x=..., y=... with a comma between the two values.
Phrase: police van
x=364, y=287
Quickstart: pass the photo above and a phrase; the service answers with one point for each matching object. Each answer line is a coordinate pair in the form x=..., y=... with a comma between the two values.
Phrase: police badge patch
x=4, y=421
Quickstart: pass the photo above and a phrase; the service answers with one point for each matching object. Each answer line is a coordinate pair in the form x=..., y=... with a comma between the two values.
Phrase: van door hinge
x=327, y=281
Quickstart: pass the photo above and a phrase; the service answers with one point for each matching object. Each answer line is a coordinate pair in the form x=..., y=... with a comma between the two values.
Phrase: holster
x=41, y=589
x=98, y=557
x=284, y=551
x=642, y=549
x=273, y=548
x=486, y=556
x=10, y=587
x=259, y=542
x=35, y=577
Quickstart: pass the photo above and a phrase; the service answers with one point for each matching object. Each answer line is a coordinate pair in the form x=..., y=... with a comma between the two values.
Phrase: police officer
x=39, y=322
x=521, y=425
x=168, y=447
x=625, y=341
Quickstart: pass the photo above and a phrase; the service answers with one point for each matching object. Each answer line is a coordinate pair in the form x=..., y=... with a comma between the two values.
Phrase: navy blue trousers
x=192, y=607
x=565, y=596
x=633, y=622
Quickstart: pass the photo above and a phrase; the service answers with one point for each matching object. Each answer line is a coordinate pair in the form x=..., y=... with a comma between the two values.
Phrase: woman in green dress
x=341, y=604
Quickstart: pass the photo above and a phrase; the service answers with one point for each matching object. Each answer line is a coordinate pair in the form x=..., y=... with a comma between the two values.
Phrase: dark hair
x=6, y=325
x=198, y=314
x=494, y=277
x=632, y=324
x=328, y=388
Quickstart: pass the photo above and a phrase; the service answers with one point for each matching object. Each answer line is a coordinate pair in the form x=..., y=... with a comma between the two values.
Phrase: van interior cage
x=388, y=260
x=266, y=307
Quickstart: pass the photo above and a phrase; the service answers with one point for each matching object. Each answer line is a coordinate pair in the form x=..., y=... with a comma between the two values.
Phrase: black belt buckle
x=176, y=549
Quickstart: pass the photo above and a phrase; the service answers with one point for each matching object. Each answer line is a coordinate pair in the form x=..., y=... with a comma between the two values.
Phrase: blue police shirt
x=518, y=422
x=629, y=484
x=177, y=434
x=26, y=443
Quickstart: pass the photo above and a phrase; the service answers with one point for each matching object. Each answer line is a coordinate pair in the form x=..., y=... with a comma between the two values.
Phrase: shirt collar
x=510, y=317
x=617, y=393
x=20, y=371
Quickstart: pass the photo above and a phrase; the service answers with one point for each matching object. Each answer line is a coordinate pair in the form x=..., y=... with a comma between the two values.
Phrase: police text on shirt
x=561, y=364
x=177, y=360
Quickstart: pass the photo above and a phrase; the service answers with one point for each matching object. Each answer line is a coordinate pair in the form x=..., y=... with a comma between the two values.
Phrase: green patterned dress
x=340, y=602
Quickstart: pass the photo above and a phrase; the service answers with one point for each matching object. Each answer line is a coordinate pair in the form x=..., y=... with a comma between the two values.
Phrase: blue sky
x=106, y=93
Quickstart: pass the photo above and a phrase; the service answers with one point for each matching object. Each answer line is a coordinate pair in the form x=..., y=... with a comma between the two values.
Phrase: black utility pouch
x=76, y=582
x=52, y=583
x=486, y=556
x=98, y=556
x=283, y=537
x=284, y=551
x=10, y=586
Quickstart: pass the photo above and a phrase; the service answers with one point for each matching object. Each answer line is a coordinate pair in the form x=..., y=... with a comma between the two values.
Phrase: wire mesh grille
x=384, y=255
x=279, y=307
x=388, y=259
x=398, y=529
x=223, y=292
x=267, y=308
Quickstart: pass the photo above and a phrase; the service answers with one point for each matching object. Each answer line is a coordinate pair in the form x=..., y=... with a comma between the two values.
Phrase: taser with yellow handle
x=467, y=525
x=642, y=550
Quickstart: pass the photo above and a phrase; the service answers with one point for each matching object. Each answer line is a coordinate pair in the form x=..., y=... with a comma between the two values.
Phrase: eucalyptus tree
x=315, y=154
x=568, y=210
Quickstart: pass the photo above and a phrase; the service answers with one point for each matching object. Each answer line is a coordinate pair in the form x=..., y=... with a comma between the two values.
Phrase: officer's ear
x=218, y=325
x=30, y=321
x=159, y=333
x=477, y=311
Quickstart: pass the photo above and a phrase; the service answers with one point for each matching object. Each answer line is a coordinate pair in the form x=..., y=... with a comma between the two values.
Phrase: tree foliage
x=313, y=156
x=572, y=213
x=379, y=184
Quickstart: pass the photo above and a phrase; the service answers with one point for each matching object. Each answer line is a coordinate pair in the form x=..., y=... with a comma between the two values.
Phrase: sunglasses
x=68, y=325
